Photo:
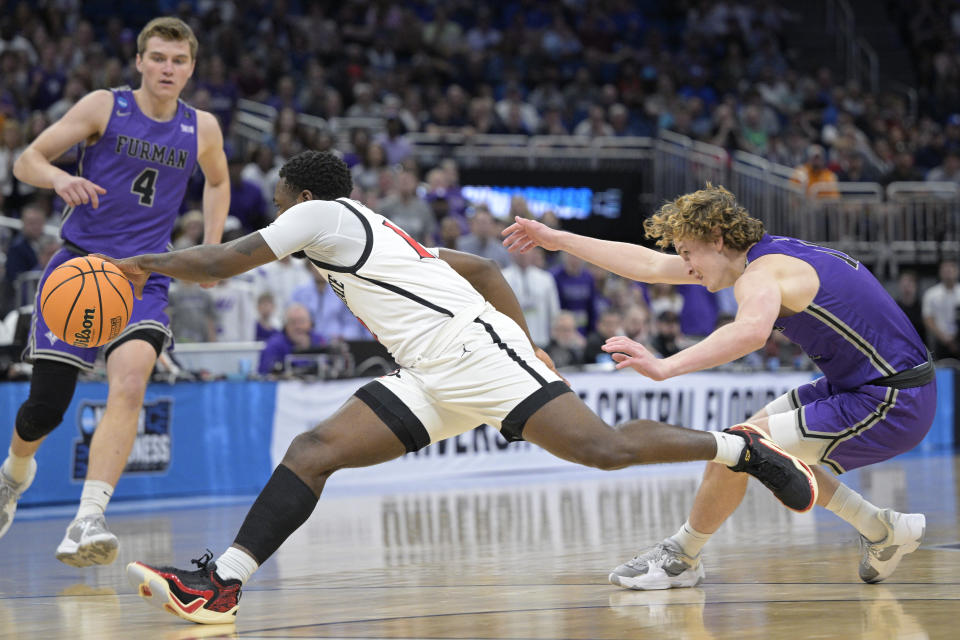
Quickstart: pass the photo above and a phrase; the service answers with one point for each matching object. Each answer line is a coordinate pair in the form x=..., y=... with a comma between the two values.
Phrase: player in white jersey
x=457, y=331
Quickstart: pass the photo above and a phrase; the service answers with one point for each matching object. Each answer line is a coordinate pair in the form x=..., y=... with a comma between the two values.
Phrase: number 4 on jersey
x=144, y=185
x=423, y=253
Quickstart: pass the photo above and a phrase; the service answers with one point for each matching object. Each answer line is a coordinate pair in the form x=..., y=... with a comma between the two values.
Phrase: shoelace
x=659, y=552
x=203, y=560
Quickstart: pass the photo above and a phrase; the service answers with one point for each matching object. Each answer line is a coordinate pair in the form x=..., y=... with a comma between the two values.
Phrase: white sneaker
x=663, y=566
x=878, y=560
x=10, y=493
x=88, y=542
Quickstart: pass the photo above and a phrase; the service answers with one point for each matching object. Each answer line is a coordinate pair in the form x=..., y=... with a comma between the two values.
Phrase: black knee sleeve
x=51, y=390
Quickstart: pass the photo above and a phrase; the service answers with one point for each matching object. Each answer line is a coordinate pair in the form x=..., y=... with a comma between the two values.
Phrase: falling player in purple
x=876, y=399
x=138, y=149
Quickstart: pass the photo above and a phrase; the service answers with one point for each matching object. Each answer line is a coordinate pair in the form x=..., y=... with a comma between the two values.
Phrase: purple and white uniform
x=877, y=396
x=144, y=165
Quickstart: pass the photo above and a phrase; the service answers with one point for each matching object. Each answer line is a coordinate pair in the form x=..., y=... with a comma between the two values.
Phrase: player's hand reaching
x=524, y=235
x=76, y=190
x=131, y=270
x=627, y=353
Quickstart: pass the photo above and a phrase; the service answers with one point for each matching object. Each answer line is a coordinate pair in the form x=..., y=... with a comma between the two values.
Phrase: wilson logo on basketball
x=82, y=338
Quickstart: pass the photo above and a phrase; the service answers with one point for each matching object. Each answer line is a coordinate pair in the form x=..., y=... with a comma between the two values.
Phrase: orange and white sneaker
x=788, y=477
x=198, y=596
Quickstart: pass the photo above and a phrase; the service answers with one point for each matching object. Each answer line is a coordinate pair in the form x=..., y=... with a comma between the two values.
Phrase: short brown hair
x=699, y=214
x=168, y=28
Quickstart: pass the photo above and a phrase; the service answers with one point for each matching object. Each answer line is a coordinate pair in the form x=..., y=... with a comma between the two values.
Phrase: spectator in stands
x=247, y=204
x=334, y=319
x=908, y=298
x=297, y=335
x=282, y=278
x=667, y=338
x=536, y=292
x=263, y=170
x=609, y=324
x=903, y=170
x=949, y=171
x=408, y=211
x=235, y=300
x=359, y=141
x=940, y=305
x=365, y=104
x=395, y=144
x=566, y=342
x=366, y=173
x=484, y=237
x=193, y=314
x=815, y=172
x=285, y=96
x=636, y=323
x=189, y=230
x=266, y=321
x=11, y=146
x=23, y=254
x=577, y=291
x=450, y=233
x=221, y=88
x=595, y=124
x=854, y=169
x=664, y=297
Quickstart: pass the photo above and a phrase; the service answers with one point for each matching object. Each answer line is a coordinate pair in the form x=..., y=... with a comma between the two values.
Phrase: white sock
x=94, y=499
x=729, y=448
x=236, y=565
x=690, y=540
x=852, y=507
x=15, y=467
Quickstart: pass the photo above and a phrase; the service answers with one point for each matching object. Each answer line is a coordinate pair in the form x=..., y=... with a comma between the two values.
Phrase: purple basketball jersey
x=144, y=165
x=853, y=330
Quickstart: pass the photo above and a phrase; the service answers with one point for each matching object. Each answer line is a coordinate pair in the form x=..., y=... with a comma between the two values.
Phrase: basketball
x=86, y=301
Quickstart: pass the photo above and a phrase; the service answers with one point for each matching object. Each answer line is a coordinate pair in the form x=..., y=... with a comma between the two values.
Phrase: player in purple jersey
x=876, y=399
x=139, y=148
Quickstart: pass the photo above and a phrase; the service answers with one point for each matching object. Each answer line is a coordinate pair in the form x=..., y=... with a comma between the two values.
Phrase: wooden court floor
x=514, y=557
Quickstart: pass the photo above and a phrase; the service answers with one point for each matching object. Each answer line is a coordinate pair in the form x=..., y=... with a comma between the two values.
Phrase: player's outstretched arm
x=203, y=263
x=758, y=299
x=622, y=258
x=216, y=175
x=86, y=120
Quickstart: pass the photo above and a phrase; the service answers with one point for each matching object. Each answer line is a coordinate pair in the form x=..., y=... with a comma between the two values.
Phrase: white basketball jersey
x=410, y=299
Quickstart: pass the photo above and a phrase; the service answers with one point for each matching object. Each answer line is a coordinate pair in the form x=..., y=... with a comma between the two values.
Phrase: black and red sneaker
x=788, y=477
x=198, y=596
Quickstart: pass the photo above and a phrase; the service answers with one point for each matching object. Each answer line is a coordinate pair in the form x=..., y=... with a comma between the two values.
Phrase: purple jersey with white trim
x=144, y=165
x=853, y=330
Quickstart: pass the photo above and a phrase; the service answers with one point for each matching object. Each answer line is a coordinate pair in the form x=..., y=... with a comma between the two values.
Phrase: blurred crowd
x=722, y=72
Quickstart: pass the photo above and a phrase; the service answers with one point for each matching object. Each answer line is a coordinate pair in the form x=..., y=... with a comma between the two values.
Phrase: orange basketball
x=86, y=302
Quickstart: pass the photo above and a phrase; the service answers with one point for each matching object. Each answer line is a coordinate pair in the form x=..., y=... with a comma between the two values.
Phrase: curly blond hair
x=699, y=214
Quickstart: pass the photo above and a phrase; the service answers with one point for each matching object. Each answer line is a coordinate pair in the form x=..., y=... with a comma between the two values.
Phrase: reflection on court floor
x=522, y=556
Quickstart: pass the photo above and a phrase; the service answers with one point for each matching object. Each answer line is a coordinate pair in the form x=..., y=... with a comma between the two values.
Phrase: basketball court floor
x=519, y=557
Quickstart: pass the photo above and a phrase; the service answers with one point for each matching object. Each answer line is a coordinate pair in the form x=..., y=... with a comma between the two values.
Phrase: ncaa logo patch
x=151, y=449
x=122, y=102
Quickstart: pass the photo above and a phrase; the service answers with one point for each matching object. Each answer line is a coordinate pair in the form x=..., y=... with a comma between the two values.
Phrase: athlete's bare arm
x=624, y=259
x=216, y=188
x=759, y=302
x=203, y=263
x=85, y=121
x=485, y=276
